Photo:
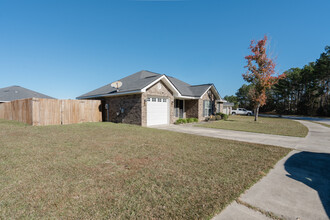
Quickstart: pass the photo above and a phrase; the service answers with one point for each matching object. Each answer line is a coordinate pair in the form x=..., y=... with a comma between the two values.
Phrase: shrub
x=225, y=117
x=186, y=120
x=190, y=120
x=212, y=118
x=181, y=121
x=217, y=116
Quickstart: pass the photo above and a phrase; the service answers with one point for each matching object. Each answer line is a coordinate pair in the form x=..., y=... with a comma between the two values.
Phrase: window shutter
x=204, y=108
x=176, y=107
x=212, y=108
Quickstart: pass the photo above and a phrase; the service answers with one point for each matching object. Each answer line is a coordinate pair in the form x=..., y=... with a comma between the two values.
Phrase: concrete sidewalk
x=298, y=187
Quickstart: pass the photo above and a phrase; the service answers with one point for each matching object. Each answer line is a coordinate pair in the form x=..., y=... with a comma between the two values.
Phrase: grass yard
x=277, y=126
x=117, y=171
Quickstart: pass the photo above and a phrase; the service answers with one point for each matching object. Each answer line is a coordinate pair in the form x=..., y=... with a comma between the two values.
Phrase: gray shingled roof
x=188, y=90
x=12, y=93
x=139, y=80
x=132, y=82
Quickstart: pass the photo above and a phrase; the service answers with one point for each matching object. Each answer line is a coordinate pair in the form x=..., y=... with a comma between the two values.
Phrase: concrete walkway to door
x=298, y=187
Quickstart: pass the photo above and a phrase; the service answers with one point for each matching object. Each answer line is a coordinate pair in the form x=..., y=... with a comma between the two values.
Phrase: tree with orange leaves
x=260, y=73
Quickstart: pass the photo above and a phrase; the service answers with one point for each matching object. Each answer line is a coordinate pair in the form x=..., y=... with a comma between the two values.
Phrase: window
x=159, y=100
x=164, y=100
x=207, y=108
x=148, y=99
x=218, y=107
x=154, y=99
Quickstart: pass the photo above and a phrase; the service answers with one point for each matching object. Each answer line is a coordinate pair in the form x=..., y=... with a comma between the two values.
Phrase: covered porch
x=186, y=108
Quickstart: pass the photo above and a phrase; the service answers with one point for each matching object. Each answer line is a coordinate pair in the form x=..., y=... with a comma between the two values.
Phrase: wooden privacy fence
x=35, y=111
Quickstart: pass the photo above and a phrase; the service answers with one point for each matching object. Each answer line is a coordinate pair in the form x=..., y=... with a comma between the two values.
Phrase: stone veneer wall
x=157, y=90
x=131, y=104
x=191, y=108
x=221, y=107
x=207, y=96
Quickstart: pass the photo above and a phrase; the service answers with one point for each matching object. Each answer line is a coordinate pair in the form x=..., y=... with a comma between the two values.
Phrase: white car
x=241, y=111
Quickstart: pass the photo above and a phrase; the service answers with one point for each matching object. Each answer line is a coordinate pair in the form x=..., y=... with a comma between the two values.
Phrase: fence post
x=61, y=111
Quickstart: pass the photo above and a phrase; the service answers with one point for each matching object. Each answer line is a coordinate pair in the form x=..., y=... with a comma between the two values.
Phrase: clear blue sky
x=66, y=48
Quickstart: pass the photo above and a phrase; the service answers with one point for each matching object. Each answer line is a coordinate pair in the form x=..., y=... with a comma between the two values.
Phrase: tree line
x=303, y=91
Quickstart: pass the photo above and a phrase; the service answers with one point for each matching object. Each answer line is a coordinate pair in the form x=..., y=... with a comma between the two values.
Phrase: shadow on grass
x=312, y=169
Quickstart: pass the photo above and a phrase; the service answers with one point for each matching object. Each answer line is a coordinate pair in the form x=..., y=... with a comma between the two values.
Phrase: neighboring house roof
x=140, y=80
x=228, y=104
x=12, y=93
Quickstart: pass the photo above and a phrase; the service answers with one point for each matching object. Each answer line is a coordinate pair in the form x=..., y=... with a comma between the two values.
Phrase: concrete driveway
x=317, y=140
x=298, y=187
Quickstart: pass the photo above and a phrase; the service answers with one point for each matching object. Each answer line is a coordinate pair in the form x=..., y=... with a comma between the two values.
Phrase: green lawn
x=278, y=126
x=117, y=171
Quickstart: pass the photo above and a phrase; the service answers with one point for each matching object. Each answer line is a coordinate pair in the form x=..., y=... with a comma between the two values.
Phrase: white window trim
x=209, y=108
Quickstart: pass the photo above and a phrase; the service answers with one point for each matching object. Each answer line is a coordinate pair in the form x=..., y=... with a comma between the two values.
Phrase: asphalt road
x=306, y=118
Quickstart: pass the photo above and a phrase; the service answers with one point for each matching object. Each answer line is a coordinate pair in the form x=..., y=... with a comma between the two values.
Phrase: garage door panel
x=157, y=111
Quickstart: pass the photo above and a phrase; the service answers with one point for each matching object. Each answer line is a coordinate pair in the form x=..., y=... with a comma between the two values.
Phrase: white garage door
x=157, y=111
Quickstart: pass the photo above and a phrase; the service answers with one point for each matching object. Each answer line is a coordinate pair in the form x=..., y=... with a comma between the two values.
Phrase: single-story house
x=12, y=93
x=227, y=107
x=147, y=98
